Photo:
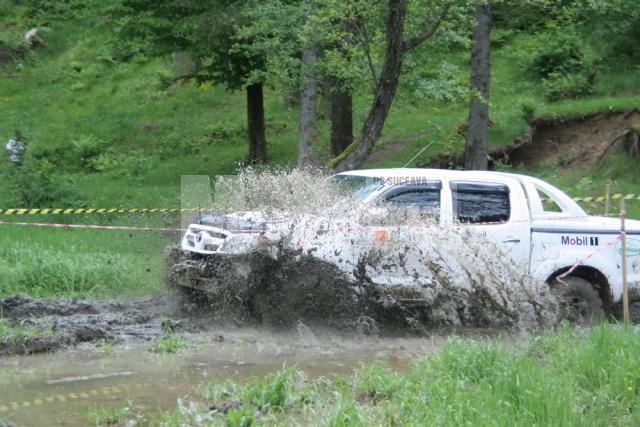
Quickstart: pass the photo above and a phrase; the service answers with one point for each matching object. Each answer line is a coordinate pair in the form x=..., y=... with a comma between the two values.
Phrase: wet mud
x=293, y=293
x=47, y=325
x=63, y=388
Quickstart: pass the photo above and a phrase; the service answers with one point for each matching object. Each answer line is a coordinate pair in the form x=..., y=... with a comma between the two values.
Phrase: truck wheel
x=584, y=304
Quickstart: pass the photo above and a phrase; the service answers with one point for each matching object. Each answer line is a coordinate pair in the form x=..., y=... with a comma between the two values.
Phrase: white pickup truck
x=542, y=229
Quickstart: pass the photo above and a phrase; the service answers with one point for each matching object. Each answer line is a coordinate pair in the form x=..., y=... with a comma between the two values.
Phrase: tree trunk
x=341, y=119
x=308, y=98
x=186, y=64
x=396, y=49
x=477, y=149
x=255, y=124
x=308, y=109
x=325, y=98
x=384, y=92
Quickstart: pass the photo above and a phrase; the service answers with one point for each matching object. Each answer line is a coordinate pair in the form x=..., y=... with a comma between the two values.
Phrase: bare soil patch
x=567, y=143
x=572, y=143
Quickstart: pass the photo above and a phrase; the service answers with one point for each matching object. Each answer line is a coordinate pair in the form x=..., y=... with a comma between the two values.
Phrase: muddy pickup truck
x=534, y=226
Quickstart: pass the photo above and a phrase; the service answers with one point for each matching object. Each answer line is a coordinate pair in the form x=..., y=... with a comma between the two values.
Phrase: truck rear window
x=480, y=202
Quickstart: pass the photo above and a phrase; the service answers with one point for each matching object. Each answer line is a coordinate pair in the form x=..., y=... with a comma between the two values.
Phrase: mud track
x=47, y=325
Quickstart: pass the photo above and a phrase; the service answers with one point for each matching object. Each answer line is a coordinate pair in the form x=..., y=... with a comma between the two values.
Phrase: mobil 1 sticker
x=579, y=240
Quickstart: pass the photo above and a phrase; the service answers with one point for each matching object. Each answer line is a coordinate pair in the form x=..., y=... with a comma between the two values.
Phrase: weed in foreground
x=170, y=343
x=104, y=416
x=570, y=377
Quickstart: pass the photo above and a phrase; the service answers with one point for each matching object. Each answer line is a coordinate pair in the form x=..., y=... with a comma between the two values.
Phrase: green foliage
x=565, y=377
x=559, y=53
x=106, y=416
x=34, y=183
x=561, y=62
x=277, y=392
x=614, y=26
x=528, y=111
x=16, y=334
x=351, y=36
x=170, y=343
x=79, y=264
x=12, y=45
x=134, y=163
x=559, y=86
x=239, y=418
x=208, y=30
x=529, y=16
x=346, y=414
x=441, y=84
x=375, y=383
x=85, y=149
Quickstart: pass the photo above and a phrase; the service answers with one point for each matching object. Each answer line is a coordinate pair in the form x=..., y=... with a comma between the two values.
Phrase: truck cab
x=540, y=227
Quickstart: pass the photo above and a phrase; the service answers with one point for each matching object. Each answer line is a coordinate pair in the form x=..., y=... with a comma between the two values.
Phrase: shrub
x=35, y=184
x=439, y=84
x=12, y=46
x=528, y=111
x=559, y=53
x=561, y=62
x=85, y=148
x=134, y=163
x=566, y=86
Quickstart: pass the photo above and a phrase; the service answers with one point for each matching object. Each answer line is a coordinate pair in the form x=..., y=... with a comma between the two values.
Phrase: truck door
x=496, y=212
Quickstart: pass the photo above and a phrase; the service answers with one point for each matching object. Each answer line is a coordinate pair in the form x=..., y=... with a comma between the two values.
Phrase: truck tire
x=583, y=303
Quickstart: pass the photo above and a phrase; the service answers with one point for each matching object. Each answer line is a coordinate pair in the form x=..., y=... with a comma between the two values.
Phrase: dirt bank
x=565, y=142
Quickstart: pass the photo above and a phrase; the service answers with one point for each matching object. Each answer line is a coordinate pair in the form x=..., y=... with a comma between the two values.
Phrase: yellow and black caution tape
x=603, y=198
x=84, y=211
x=66, y=397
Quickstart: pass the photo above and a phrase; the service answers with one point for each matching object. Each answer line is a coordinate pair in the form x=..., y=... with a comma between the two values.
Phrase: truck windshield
x=355, y=186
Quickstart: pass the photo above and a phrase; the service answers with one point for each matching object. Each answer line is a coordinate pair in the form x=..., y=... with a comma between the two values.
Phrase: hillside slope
x=102, y=132
x=113, y=133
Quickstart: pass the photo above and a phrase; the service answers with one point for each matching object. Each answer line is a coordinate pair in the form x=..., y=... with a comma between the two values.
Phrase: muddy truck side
x=542, y=231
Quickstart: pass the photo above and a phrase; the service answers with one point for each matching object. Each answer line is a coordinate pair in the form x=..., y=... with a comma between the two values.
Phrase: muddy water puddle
x=62, y=388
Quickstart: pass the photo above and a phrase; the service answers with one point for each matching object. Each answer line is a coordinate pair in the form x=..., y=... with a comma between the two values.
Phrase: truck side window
x=426, y=198
x=475, y=202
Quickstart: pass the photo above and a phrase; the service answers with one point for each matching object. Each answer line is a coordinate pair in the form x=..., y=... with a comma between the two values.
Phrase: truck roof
x=432, y=173
x=408, y=174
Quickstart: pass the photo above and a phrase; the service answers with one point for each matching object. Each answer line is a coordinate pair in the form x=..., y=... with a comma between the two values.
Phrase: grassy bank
x=572, y=377
x=53, y=263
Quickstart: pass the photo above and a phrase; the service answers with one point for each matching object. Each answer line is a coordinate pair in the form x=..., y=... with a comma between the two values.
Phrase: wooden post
x=607, y=199
x=625, y=290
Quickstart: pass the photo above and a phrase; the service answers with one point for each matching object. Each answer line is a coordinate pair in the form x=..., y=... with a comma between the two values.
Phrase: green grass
x=102, y=416
x=15, y=335
x=80, y=263
x=569, y=378
x=170, y=343
x=18, y=333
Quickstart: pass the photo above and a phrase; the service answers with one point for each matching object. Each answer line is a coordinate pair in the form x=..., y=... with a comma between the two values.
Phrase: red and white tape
x=590, y=255
x=91, y=227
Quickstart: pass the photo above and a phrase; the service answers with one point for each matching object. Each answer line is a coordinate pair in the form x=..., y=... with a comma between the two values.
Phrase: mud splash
x=397, y=289
x=332, y=260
